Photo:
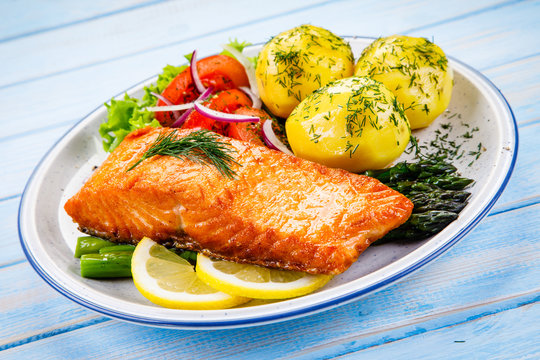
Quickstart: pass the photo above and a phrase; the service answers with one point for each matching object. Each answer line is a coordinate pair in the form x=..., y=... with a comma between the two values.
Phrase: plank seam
x=514, y=205
x=494, y=66
x=80, y=21
x=54, y=332
x=13, y=263
x=37, y=130
x=10, y=197
x=530, y=122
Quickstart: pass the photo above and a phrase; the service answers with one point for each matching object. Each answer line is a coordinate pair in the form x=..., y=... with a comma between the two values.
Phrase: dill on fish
x=201, y=146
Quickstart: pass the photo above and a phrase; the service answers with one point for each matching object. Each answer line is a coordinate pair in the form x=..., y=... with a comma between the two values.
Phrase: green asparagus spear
x=427, y=168
x=108, y=265
x=449, y=182
x=407, y=186
x=117, y=248
x=451, y=206
x=90, y=245
x=420, y=226
x=432, y=221
x=452, y=195
x=412, y=171
x=424, y=203
x=396, y=172
x=189, y=255
x=435, y=190
x=445, y=182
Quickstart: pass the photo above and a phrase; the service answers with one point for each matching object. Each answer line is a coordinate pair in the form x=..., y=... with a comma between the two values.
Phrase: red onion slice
x=174, y=108
x=180, y=121
x=257, y=103
x=167, y=102
x=248, y=66
x=271, y=139
x=206, y=93
x=162, y=98
x=221, y=116
x=195, y=74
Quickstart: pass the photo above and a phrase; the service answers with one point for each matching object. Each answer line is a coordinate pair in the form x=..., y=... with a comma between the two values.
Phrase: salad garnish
x=129, y=114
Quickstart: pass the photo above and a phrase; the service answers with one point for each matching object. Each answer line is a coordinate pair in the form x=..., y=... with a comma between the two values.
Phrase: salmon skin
x=279, y=211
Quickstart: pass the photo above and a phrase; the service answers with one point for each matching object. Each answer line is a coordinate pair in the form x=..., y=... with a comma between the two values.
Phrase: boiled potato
x=415, y=70
x=297, y=62
x=354, y=124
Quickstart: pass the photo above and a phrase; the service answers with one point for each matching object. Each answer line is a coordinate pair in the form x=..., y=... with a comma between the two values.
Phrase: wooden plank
x=22, y=154
x=170, y=24
x=21, y=288
x=19, y=20
x=476, y=41
x=466, y=277
x=500, y=335
x=520, y=84
x=10, y=250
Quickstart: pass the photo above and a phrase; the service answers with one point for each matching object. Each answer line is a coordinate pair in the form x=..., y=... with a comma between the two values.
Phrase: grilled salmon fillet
x=279, y=211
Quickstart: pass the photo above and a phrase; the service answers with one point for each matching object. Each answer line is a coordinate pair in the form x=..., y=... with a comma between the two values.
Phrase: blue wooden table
x=62, y=59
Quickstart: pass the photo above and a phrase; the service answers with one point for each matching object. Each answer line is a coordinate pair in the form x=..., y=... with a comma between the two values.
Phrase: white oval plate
x=48, y=235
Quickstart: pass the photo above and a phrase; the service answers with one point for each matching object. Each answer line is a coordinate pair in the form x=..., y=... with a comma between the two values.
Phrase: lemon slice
x=256, y=281
x=166, y=279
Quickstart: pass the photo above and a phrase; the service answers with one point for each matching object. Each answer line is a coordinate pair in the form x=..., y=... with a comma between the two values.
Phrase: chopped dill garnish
x=446, y=126
x=201, y=146
x=442, y=147
x=480, y=149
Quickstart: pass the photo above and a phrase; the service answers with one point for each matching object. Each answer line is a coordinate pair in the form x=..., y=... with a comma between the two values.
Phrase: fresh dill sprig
x=201, y=146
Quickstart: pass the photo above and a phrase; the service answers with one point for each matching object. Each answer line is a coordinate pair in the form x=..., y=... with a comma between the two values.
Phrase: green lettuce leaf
x=235, y=44
x=128, y=114
x=123, y=117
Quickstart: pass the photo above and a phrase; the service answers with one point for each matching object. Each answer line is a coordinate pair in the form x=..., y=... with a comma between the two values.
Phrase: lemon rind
x=232, y=285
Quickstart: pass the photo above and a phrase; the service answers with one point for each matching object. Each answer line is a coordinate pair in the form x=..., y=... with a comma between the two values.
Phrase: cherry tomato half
x=227, y=101
x=250, y=132
x=219, y=71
